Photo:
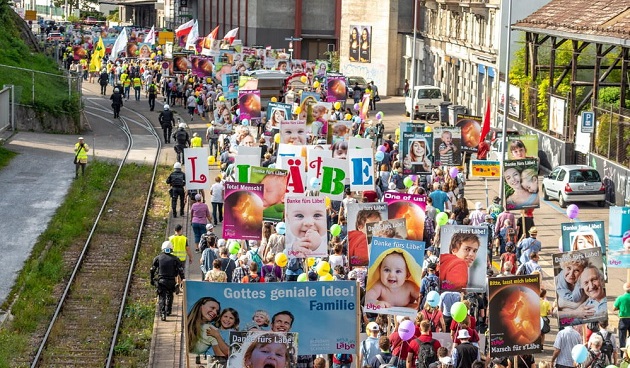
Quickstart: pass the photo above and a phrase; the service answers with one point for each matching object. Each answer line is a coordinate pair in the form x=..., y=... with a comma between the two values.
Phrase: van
x=427, y=102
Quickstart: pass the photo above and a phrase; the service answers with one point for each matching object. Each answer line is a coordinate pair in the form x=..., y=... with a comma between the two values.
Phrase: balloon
x=327, y=201
x=235, y=247
x=453, y=172
x=379, y=156
x=152, y=55
x=433, y=298
x=238, y=112
x=579, y=353
x=441, y=218
x=190, y=80
x=281, y=259
x=408, y=182
x=281, y=228
x=414, y=177
x=159, y=53
x=358, y=136
x=316, y=84
x=298, y=110
x=379, y=116
x=303, y=79
x=323, y=268
x=406, y=330
x=348, y=117
x=337, y=105
x=245, y=122
x=310, y=261
x=437, y=210
x=356, y=106
x=222, y=98
x=428, y=129
x=459, y=311
x=382, y=148
x=572, y=211
x=303, y=277
x=272, y=166
x=335, y=230
x=315, y=183
x=211, y=160
x=326, y=277
x=137, y=52
x=274, y=99
x=276, y=138
x=208, y=80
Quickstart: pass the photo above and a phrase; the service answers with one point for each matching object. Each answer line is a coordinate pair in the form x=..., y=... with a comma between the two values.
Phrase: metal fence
x=612, y=133
x=35, y=88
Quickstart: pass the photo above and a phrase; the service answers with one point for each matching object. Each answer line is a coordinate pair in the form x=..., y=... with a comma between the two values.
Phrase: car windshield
x=584, y=176
x=429, y=93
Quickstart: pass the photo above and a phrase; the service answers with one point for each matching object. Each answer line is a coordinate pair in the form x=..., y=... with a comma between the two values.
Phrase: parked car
x=354, y=79
x=53, y=36
x=427, y=102
x=574, y=183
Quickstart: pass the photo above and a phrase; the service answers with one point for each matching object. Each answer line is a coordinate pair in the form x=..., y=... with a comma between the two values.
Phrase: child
x=529, y=180
x=320, y=125
x=390, y=281
x=307, y=230
x=340, y=150
x=260, y=321
x=509, y=256
x=340, y=132
x=275, y=187
x=357, y=239
x=454, y=265
x=228, y=320
x=447, y=149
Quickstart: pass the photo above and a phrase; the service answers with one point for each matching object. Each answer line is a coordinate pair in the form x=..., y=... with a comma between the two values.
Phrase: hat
x=625, y=236
x=80, y=138
x=166, y=107
x=182, y=125
x=533, y=231
x=167, y=246
x=488, y=217
x=392, y=186
x=372, y=326
x=177, y=165
x=463, y=335
x=446, y=360
x=195, y=134
x=209, y=227
x=477, y=205
x=221, y=243
x=496, y=199
x=198, y=197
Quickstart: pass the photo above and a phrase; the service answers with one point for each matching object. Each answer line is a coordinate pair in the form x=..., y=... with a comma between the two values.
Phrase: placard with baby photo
x=275, y=188
x=293, y=132
x=580, y=287
x=522, y=146
x=520, y=179
x=359, y=215
x=619, y=237
x=411, y=207
x=277, y=112
x=463, y=258
x=393, y=229
x=260, y=349
x=306, y=223
x=243, y=211
x=447, y=143
x=394, y=276
x=340, y=130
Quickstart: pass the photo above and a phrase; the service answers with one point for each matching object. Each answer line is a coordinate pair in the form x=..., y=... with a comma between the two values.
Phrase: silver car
x=574, y=183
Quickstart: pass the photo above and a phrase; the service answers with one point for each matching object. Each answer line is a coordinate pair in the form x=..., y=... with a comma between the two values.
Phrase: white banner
x=197, y=173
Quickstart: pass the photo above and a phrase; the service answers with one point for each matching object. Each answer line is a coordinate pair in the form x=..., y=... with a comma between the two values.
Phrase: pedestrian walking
x=117, y=102
x=167, y=267
x=80, y=157
x=177, y=181
x=167, y=121
x=153, y=90
x=103, y=79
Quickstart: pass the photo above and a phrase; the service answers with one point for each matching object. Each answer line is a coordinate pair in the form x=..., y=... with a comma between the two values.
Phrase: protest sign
x=463, y=257
x=243, y=211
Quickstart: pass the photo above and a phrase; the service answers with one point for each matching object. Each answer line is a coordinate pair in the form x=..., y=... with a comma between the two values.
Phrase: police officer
x=167, y=121
x=103, y=79
x=177, y=180
x=117, y=102
x=168, y=267
x=182, y=140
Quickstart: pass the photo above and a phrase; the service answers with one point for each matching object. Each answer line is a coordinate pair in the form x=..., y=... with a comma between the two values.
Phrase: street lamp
x=506, y=94
x=413, y=60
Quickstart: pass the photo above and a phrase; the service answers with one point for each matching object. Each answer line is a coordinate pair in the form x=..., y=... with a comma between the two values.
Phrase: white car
x=574, y=183
x=427, y=103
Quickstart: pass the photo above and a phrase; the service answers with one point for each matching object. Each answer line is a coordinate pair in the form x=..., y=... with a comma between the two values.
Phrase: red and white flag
x=150, y=38
x=185, y=28
x=193, y=35
x=231, y=35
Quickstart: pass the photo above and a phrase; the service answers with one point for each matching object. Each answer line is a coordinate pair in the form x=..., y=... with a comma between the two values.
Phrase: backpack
x=344, y=358
x=251, y=279
x=426, y=354
x=271, y=276
x=607, y=346
x=199, y=101
x=256, y=258
x=598, y=360
x=207, y=241
x=294, y=264
x=390, y=364
x=180, y=137
x=152, y=88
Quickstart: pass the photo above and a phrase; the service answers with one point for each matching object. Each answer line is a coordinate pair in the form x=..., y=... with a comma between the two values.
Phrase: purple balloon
x=379, y=116
x=414, y=177
x=356, y=106
x=453, y=172
x=572, y=211
x=382, y=148
x=406, y=330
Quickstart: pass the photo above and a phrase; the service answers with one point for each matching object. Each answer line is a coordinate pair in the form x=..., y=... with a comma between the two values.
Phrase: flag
x=185, y=28
x=485, y=129
x=192, y=37
x=231, y=35
x=150, y=38
x=120, y=44
x=210, y=44
x=98, y=55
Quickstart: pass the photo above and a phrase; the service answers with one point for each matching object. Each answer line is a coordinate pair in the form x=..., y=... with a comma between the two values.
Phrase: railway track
x=84, y=327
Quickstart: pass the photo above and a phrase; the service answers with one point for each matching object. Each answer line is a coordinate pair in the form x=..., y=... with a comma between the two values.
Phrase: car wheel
x=545, y=195
x=601, y=203
x=561, y=201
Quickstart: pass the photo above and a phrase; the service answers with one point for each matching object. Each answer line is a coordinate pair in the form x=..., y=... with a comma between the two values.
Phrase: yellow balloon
x=310, y=261
x=323, y=268
x=303, y=79
x=316, y=84
x=326, y=277
x=159, y=52
x=209, y=80
x=337, y=105
x=281, y=259
x=222, y=98
x=327, y=201
x=348, y=117
x=190, y=80
x=152, y=55
x=428, y=129
x=276, y=138
x=211, y=160
x=274, y=99
x=298, y=110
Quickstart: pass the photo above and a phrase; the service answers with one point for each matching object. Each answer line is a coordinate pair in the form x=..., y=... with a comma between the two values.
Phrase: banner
x=249, y=105
x=514, y=305
x=230, y=86
x=293, y=132
x=333, y=305
x=296, y=180
x=334, y=177
x=262, y=348
x=580, y=287
x=619, y=237
x=581, y=235
x=471, y=132
x=196, y=167
x=307, y=227
x=522, y=146
x=359, y=215
x=463, y=258
x=520, y=179
x=394, y=277
x=411, y=207
x=243, y=211
x=275, y=182
x=485, y=169
x=416, y=153
x=354, y=43
x=447, y=146
x=361, y=169
x=336, y=89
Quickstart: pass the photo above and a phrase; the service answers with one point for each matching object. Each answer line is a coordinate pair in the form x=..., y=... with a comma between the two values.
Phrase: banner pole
x=487, y=203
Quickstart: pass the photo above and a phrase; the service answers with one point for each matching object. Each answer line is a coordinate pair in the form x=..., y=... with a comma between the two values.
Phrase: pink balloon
x=406, y=330
x=414, y=177
x=453, y=172
x=382, y=148
x=572, y=211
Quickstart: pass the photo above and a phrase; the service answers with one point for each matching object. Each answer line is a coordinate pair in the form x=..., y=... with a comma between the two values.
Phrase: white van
x=427, y=102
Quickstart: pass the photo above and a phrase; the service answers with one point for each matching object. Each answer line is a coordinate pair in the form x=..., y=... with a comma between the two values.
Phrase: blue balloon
x=281, y=228
x=433, y=298
x=579, y=353
x=316, y=183
x=245, y=122
x=379, y=156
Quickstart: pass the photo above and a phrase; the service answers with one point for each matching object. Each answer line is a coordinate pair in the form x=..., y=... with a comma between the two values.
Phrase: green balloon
x=441, y=218
x=459, y=311
x=234, y=248
x=335, y=230
x=408, y=182
x=303, y=277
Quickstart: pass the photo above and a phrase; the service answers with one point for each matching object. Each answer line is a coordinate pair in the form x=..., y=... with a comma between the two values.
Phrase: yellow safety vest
x=82, y=155
x=123, y=76
x=137, y=83
x=127, y=83
x=179, y=246
x=196, y=142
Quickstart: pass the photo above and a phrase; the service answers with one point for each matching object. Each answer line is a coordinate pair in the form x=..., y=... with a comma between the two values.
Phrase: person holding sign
x=393, y=284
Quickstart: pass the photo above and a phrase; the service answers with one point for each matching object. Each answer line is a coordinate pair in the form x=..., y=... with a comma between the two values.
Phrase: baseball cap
x=372, y=326
x=209, y=227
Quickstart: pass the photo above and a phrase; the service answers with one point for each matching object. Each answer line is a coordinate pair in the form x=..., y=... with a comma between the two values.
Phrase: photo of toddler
x=340, y=132
x=447, y=149
x=293, y=132
x=319, y=127
x=307, y=233
x=260, y=321
x=392, y=280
